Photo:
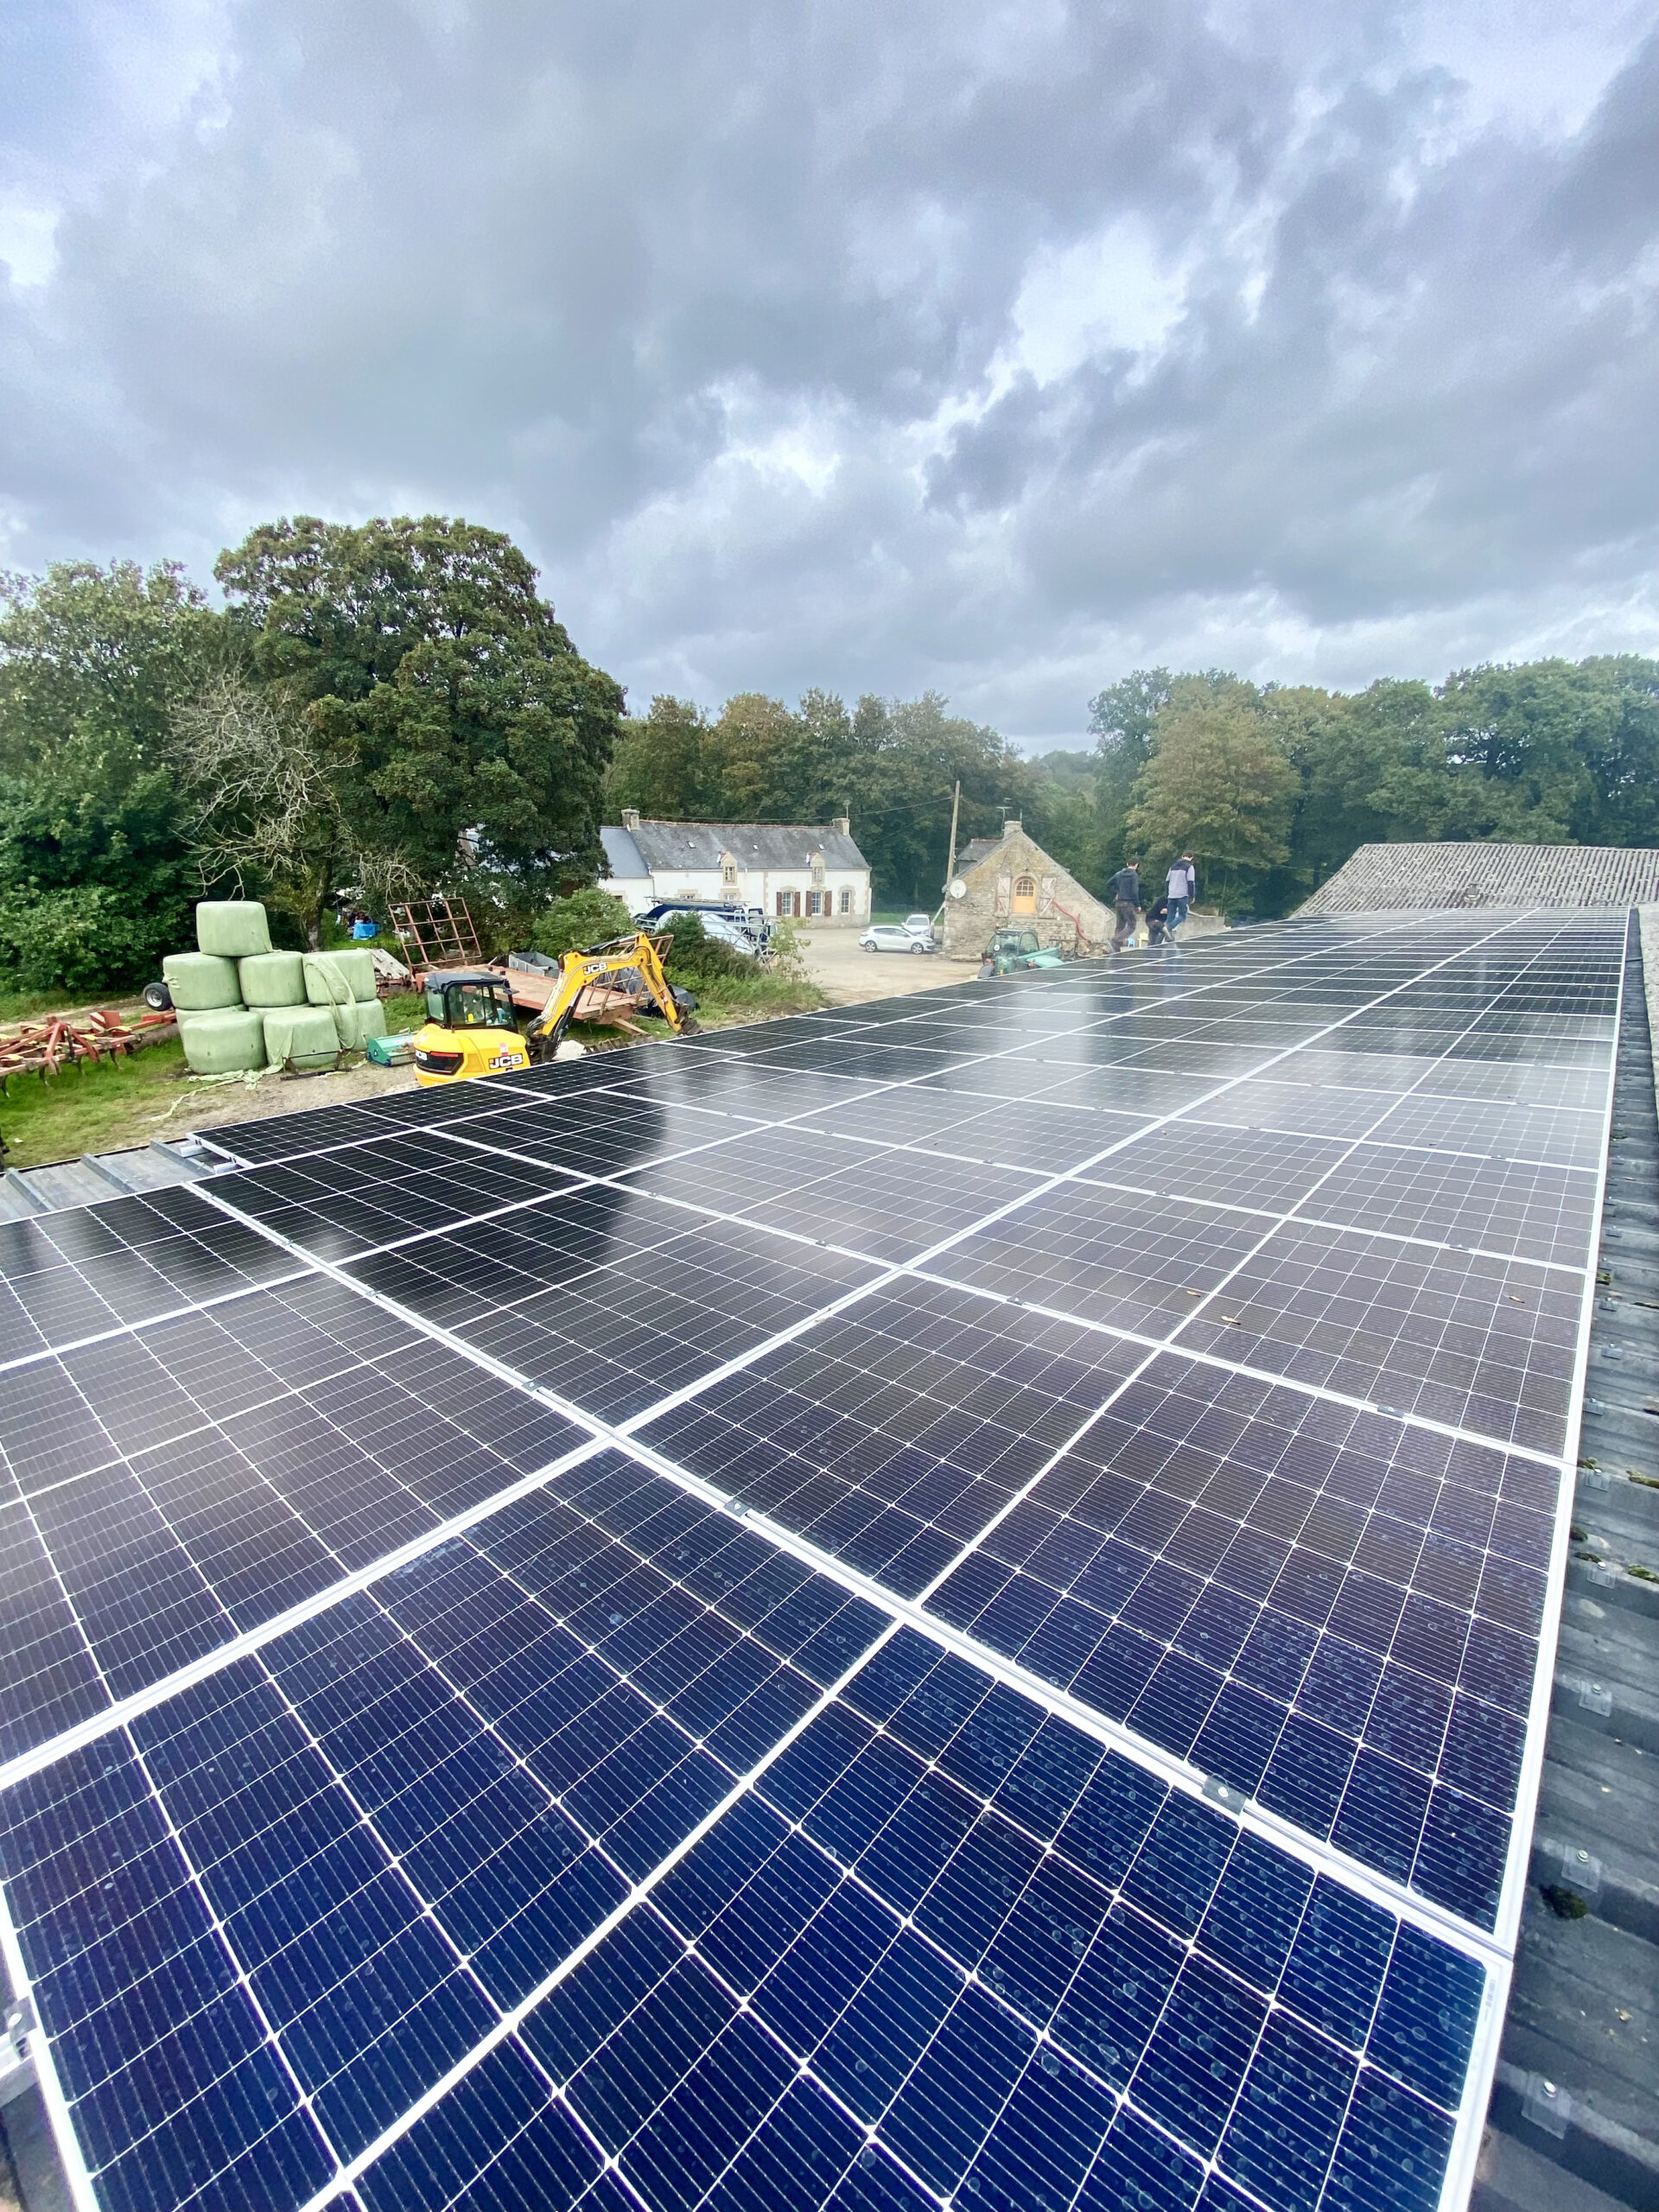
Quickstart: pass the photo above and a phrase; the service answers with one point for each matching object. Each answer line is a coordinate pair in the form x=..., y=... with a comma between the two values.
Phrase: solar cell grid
x=617, y=1339
x=869, y=1201
x=351, y=1199
x=754, y=1095
x=1525, y=1083
x=192, y=1481
x=282, y=1136
x=1063, y=1084
x=325, y=1872
x=157, y=1225
x=1267, y=1170
x=876, y=1063
x=868, y=1985
x=1049, y=1140
x=1535, y=1210
x=891, y=1434
x=769, y=1039
x=1473, y=1341
x=1300, y=1109
x=1566, y=1137
x=1336, y=1612
x=599, y=1133
x=1334, y=1609
x=1117, y=1258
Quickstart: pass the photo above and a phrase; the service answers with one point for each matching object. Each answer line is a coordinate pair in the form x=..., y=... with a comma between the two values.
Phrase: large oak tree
x=459, y=723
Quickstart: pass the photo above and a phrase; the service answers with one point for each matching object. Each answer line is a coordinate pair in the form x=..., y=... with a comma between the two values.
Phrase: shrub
x=694, y=956
x=585, y=918
x=87, y=942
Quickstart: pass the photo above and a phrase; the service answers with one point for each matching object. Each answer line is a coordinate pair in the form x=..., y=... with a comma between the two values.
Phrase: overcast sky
x=993, y=348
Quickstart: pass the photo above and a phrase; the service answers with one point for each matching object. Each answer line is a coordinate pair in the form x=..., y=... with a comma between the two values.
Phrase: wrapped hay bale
x=201, y=981
x=272, y=979
x=370, y=1020
x=305, y=1034
x=331, y=977
x=223, y=1041
x=234, y=928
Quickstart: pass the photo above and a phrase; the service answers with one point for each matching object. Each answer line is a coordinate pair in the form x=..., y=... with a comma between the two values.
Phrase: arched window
x=1025, y=894
x=817, y=871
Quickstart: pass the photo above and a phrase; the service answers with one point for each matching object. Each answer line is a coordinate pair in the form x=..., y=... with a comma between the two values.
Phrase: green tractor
x=1013, y=949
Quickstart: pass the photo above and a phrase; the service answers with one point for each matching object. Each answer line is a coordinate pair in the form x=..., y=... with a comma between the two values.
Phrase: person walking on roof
x=1125, y=892
x=1183, y=887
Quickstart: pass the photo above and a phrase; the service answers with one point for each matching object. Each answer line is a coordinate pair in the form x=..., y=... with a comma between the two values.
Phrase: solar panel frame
x=1448, y=936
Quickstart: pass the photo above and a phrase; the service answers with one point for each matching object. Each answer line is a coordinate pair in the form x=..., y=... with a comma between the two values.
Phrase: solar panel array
x=943, y=1603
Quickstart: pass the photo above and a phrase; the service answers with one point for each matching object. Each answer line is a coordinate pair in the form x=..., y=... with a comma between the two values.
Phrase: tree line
x=375, y=711
x=1271, y=787
x=391, y=709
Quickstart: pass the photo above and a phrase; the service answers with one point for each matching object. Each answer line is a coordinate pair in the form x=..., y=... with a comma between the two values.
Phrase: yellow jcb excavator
x=472, y=1028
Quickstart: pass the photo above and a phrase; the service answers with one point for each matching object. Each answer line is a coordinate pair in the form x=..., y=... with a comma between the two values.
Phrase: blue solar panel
x=764, y=1623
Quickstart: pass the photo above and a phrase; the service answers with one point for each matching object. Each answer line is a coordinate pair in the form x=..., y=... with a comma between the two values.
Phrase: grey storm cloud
x=988, y=348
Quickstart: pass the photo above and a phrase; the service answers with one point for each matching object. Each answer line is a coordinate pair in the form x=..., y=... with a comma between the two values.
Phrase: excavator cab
x=470, y=1028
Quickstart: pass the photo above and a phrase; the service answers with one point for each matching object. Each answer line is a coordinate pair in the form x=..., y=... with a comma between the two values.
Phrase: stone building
x=793, y=871
x=1011, y=880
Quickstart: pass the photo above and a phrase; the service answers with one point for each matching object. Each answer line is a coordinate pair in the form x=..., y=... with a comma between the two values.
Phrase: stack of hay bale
x=240, y=1005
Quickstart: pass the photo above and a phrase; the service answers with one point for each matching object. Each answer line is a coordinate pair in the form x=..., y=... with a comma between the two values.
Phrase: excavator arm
x=578, y=969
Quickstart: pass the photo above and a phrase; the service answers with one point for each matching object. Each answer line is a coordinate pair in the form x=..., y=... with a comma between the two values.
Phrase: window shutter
x=1004, y=892
x=1046, y=897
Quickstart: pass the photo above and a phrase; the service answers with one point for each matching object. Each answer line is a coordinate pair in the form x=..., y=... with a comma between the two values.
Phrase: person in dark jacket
x=1124, y=890
x=1159, y=927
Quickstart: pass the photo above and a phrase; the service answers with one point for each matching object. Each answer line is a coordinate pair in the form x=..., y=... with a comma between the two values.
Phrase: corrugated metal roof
x=669, y=845
x=1382, y=878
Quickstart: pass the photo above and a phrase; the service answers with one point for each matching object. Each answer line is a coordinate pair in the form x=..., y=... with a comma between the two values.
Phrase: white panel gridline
x=1045, y=1018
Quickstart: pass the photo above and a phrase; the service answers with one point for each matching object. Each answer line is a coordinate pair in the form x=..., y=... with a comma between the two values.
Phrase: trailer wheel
x=158, y=998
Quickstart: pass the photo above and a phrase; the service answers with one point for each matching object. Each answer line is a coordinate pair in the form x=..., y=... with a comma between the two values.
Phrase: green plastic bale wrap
x=272, y=979
x=370, y=1020
x=234, y=928
x=224, y=1041
x=201, y=981
x=333, y=977
x=305, y=1034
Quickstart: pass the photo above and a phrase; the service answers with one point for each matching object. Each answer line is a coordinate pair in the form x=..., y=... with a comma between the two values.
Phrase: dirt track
x=847, y=974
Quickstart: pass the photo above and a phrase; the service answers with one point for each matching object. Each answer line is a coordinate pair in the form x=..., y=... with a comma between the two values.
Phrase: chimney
x=630, y=817
x=842, y=822
x=1008, y=827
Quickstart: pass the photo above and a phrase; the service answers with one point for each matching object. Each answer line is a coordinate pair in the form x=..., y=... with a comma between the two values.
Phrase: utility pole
x=956, y=806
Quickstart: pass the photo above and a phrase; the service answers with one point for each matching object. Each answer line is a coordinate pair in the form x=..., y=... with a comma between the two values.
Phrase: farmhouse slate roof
x=666, y=846
x=976, y=849
x=623, y=859
x=1379, y=878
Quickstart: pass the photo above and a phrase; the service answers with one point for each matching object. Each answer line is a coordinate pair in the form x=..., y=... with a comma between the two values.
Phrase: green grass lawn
x=99, y=1106
x=24, y=1006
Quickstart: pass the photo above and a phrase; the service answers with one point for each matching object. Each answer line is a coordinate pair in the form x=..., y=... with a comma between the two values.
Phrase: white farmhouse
x=792, y=871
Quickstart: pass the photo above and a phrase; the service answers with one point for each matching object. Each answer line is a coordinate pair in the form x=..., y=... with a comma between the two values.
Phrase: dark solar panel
x=496, y=1815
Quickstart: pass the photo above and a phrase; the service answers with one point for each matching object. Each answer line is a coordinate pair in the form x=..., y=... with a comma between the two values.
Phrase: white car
x=886, y=937
x=920, y=925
